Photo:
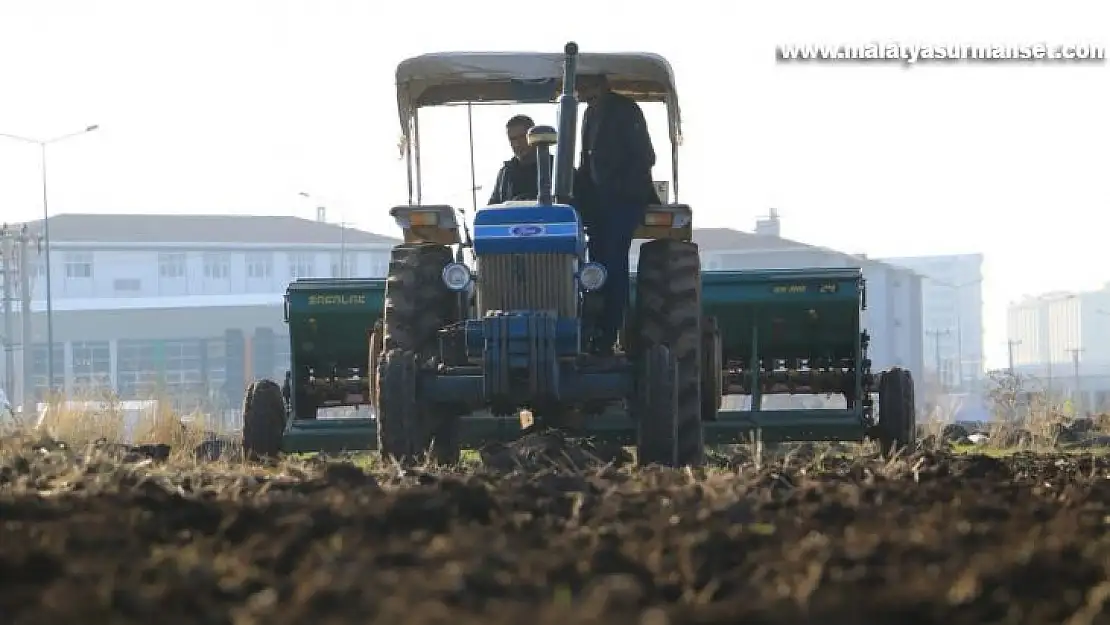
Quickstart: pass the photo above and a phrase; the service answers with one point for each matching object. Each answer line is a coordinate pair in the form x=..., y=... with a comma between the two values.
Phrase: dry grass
x=1036, y=425
x=1025, y=418
x=85, y=420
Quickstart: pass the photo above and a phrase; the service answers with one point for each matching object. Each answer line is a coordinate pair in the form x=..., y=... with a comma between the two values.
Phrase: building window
x=127, y=285
x=379, y=263
x=301, y=265
x=217, y=266
x=342, y=265
x=183, y=369
x=216, y=363
x=137, y=370
x=92, y=366
x=79, y=265
x=260, y=265
x=40, y=368
x=171, y=265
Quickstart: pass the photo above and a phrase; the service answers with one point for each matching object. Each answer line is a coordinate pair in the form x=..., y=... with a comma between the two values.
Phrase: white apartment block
x=1064, y=339
x=1048, y=328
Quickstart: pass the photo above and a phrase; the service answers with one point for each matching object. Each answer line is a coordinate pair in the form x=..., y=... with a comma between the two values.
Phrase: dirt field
x=112, y=537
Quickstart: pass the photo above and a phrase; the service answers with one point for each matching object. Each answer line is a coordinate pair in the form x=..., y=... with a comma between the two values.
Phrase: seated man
x=518, y=178
x=613, y=188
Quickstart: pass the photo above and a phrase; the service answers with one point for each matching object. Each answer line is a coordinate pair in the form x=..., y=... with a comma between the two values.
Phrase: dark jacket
x=516, y=181
x=617, y=155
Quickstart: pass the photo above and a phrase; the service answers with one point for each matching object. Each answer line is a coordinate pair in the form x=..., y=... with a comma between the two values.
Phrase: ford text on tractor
x=451, y=345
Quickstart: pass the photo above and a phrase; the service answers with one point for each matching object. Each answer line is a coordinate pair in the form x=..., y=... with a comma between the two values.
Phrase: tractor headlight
x=592, y=276
x=457, y=276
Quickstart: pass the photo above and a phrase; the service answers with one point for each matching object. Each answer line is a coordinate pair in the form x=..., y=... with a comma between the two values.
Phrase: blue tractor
x=510, y=333
x=465, y=331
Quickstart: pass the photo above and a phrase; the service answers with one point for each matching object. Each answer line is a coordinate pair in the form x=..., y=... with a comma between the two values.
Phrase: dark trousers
x=610, y=229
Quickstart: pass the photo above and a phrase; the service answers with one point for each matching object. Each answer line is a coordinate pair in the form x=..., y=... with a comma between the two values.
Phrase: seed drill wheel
x=712, y=369
x=417, y=305
x=263, y=420
x=668, y=313
x=897, y=413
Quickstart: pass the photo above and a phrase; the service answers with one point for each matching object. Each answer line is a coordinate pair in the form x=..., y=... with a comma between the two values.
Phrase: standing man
x=518, y=178
x=613, y=188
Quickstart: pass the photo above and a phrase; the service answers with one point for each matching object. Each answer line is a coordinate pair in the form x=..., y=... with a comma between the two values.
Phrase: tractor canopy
x=444, y=78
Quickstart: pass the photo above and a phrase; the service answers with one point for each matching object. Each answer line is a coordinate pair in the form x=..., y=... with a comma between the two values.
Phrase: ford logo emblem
x=526, y=231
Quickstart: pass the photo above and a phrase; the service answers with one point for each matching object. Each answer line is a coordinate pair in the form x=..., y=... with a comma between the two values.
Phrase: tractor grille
x=534, y=282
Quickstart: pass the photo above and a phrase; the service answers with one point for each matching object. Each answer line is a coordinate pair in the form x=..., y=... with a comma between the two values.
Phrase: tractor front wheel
x=263, y=420
x=417, y=303
x=897, y=412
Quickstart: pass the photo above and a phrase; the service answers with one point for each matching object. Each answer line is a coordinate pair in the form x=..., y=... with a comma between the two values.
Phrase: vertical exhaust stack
x=568, y=122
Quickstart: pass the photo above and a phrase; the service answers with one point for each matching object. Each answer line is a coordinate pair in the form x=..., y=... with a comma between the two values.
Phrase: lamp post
x=42, y=143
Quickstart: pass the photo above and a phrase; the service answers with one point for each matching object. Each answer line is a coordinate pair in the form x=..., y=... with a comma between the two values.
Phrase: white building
x=192, y=303
x=1064, y=339
x=187, y=303
x=952, y=314
x=893, y=315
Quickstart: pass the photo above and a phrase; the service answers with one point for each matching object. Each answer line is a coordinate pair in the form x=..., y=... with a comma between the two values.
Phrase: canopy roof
x=528, y=78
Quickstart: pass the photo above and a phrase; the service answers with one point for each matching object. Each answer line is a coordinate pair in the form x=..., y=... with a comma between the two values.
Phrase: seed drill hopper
x=448, y=349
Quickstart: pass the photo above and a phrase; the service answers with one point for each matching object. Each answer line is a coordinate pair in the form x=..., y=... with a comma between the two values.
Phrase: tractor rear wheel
x=663, y=437
x=668, y=312
x=402, y=435
x=712, y=369
x=417, y=303
x=897, y=411
x=263, y=420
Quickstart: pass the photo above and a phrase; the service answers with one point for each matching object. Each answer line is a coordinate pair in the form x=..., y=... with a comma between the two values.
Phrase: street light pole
x=46, y=241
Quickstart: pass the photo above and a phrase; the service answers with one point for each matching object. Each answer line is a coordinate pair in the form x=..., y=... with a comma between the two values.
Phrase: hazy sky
x=235, y=106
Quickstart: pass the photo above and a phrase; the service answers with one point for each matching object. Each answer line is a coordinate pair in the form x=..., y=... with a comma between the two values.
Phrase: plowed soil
x=127, y=536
